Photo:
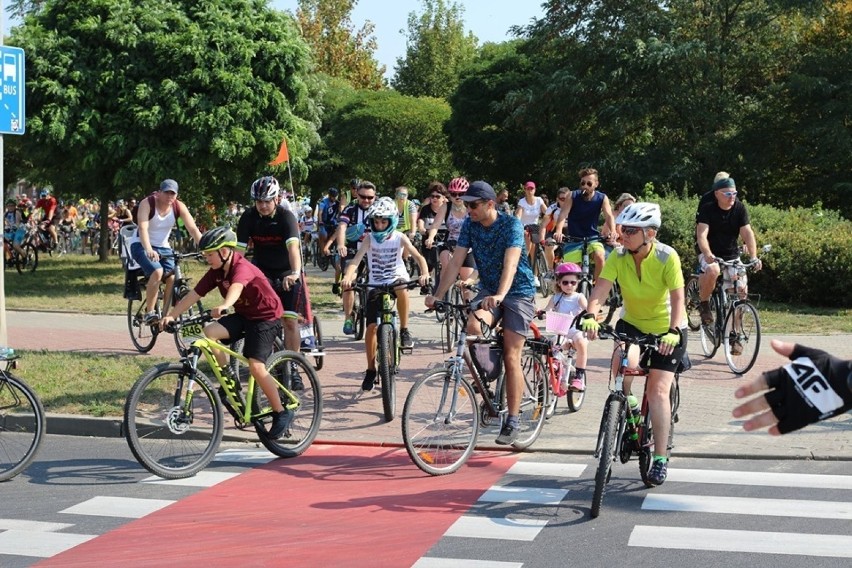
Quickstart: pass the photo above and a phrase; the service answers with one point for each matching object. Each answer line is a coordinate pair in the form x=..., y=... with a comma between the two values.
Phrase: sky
x=489, y=20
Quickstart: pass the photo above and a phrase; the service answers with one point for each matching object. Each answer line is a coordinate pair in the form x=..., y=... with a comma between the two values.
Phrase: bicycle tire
x=28, y=261
x=646, y=458
x=318, y=361
x=533, y=405
x=182, y=344
x=308, y=410
x=544, y=280
x=323, y=262
x=163, y=439
x=748, y=336
x=22, y=425
x=607, y=446
x=585, y=287
x=437, y=443
x=359, y=315
x=693, y=300
x=387, y=369
x=575, y=399
x=447, y=332
x=709, y=334
x=552, y=397
x=142, y=335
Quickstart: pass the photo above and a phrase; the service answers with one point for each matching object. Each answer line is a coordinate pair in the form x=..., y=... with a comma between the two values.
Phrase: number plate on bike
x=194, y=330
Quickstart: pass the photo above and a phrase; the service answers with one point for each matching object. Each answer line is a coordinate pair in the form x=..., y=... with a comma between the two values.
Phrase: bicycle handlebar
x=408, y=285
x=204, y=317
x=648, y=340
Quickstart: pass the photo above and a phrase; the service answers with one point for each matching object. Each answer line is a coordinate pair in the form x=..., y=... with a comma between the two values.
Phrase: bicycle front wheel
x=359, y=316
x=533, y=402
x=585, y=287
x=709, y=333
x=440, y=423
x=143, y=335
x=183, y=343
x=173, y=424
x=742, y=337
x=545, y=282
x=303, y=402
x=387, y=369
x=692, y=303
x=318, y=361
x=22, y=425
x=607, y=447
x=28, y=261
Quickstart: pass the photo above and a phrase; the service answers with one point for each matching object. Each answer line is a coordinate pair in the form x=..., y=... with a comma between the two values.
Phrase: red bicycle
x=550, y=355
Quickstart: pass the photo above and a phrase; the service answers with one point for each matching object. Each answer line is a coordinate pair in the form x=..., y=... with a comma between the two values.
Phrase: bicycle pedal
x=406, y=350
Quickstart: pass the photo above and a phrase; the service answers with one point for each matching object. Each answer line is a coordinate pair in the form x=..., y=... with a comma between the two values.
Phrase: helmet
x=567, y=268
x=333, y=192
x=306, y=209
x=11, y=201
x=214, y=239
x=354, y=232
x=641, y=214
x=384, y=208
x=354, y=182
x=458, y=185
x=44, y=192
x=265, y=189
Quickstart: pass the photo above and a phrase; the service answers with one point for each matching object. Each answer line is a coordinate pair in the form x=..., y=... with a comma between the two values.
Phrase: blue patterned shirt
x=489, y=244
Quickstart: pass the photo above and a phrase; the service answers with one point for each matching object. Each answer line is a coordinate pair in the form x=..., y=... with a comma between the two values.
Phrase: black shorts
x=289, y=298
x=259, y=335
x=451, y=247
x=652, y=359
x=374, y=306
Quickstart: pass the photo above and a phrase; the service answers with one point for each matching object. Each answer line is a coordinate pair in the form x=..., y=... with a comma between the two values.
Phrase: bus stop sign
x=12, y=91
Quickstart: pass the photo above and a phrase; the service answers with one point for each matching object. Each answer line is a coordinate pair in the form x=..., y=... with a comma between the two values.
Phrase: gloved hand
x=589, y=323
x=671, y=338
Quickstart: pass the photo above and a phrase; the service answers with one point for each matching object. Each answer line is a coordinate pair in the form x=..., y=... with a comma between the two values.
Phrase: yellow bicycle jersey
x=646, y=304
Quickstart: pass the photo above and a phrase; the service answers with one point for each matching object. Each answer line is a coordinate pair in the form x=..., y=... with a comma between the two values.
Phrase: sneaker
x=536, y=281
x=296, y=383
x=335, y=288
x=281, y=424
x=659, y=470
x=151, y=318
x=508, y=435
x=348, y=327
x=369, y=380
x=736, y=347
x=706, y=313
x=578, y=384
x=405, y=338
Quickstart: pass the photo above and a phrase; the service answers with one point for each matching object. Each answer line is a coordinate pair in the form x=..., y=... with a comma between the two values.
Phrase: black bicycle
x=22, y=421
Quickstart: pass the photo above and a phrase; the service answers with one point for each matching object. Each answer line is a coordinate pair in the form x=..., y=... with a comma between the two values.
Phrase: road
x=87, y=503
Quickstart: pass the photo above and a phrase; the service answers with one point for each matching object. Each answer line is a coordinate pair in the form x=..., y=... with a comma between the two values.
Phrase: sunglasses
x=402, y=195
x=473, y=204
x=586, y=183
x=630, y=231
x=456, y=195
x=436, y=196
x=729, y=193
x=366, y=197
x=569, y=282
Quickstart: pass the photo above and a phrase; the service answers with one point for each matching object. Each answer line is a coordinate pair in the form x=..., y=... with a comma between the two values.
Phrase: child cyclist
x=384, y=247
x=570, y=302
x=257, y=313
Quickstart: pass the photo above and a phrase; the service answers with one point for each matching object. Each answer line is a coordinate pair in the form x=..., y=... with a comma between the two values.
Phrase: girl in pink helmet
x=568, y=301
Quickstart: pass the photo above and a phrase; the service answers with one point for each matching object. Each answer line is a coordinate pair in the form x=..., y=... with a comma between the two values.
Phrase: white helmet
x=641, y=214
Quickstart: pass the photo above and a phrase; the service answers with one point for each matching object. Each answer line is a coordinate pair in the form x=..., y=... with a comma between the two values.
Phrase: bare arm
x=352, y=267
x=143, y=215
x=609, y=218
x=563, y=214
x=701, y=232
x=188, y=222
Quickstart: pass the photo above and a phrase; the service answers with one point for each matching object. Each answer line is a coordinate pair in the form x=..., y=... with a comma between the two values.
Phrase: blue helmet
x=386, y=209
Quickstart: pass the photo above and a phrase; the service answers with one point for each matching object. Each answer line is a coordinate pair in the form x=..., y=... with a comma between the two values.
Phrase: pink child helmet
x=567, y=268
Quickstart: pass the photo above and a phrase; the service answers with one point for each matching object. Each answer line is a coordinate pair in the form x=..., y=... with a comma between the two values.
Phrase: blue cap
x=479, y=190
x=169, y=185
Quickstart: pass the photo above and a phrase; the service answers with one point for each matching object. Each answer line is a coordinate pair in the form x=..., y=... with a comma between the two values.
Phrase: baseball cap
x=529, y=185
x=479, y=190
x=169, y=185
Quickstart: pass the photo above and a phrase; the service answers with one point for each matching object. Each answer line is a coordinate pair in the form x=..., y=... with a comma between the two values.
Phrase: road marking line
x=244, y=456
x=544, y=469
x=33, y=526
x=429, y=562
x=720, y=540
x=502, y=528
x=530, y=495
x=200, y=479
x=39, y=543
x=804, y=480
x=128, y=507
x=748, y=506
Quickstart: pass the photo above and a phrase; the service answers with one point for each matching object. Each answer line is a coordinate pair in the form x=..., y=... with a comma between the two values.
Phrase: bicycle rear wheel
x=545, y=278
x=575, y=399
x=28, y=261
x=709, y=333
x=166, y=437
x=533, y=404
x=692, y=302
x=143, y=335
x=742, y=329
x=606, y=450
x=387, y=368
x=359, y=315
x=305, y=404
x=22, y=425
x=440, y=423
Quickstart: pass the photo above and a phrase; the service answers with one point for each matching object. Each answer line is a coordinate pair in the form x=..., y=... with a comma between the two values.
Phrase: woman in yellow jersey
x=652, y=287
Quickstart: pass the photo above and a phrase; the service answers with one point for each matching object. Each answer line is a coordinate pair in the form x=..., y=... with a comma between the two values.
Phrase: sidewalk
x=705, y=429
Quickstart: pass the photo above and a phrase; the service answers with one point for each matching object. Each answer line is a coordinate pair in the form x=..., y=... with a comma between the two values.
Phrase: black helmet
x=354, y=183
x=265, y=189
x=214, y=239
x=333, y=191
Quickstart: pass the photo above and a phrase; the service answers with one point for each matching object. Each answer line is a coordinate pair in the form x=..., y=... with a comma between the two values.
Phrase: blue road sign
x=12, y=88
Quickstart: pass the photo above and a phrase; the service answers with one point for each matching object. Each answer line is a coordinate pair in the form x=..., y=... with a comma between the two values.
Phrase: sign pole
x=4, y=336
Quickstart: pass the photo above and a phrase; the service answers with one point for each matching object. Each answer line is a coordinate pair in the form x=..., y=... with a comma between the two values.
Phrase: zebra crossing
x=728, y=512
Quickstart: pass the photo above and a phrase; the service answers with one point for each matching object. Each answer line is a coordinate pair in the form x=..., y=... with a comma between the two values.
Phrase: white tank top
x=385, y=260
x=530, y=213
x=568, y=304
x=160, y=227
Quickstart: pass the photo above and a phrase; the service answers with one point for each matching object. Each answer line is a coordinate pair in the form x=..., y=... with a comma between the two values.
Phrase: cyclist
x=570, y=302
x=429, y=218
x=651, y=283
x=582, y=209
x=274, y=234
x=384, y=247
x=326, y=214
x=407, y=215
x=151, y=242
x=454, y=218
x=548, y=223
x=256, y=317
x=49, y=208
x=720, y=224
x=503, y=205
x=621, y=204
x=506, y=281
x=346, y=240
x=529, y=210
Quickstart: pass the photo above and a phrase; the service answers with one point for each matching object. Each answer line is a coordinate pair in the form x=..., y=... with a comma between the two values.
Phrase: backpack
x=152, y=207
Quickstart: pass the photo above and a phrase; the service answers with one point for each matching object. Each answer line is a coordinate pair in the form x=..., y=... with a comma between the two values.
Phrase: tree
x=123, y=93
x=339, y=50
x=437, y=50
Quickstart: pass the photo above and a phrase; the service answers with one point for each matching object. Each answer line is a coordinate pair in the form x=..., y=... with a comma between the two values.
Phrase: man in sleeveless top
x=152, y=248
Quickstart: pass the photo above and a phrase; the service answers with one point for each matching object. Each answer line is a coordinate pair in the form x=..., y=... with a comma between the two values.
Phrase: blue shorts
x=149, y=266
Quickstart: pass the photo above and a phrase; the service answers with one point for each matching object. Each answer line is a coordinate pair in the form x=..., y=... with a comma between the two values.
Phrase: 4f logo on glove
x=813, y=386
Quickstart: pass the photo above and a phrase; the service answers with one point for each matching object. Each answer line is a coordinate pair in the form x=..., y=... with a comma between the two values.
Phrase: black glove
x=812, y=387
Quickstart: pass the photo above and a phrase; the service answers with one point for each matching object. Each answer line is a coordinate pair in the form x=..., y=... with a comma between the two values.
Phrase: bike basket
x=557, y=322
x=487, y=358
x=539, y=346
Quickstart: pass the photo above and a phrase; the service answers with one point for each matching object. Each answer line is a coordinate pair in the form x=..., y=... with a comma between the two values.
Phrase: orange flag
x=283, y=155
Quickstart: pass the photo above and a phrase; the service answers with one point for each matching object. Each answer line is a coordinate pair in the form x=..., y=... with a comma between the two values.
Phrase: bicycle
x=173, y=418
x=441, y=418
x=539, y=262
x=735, y=317
x=26, y=262
x=621, y=433
x=144, y=335
x=389, y=348
x=22, y=421
x=557, y=360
